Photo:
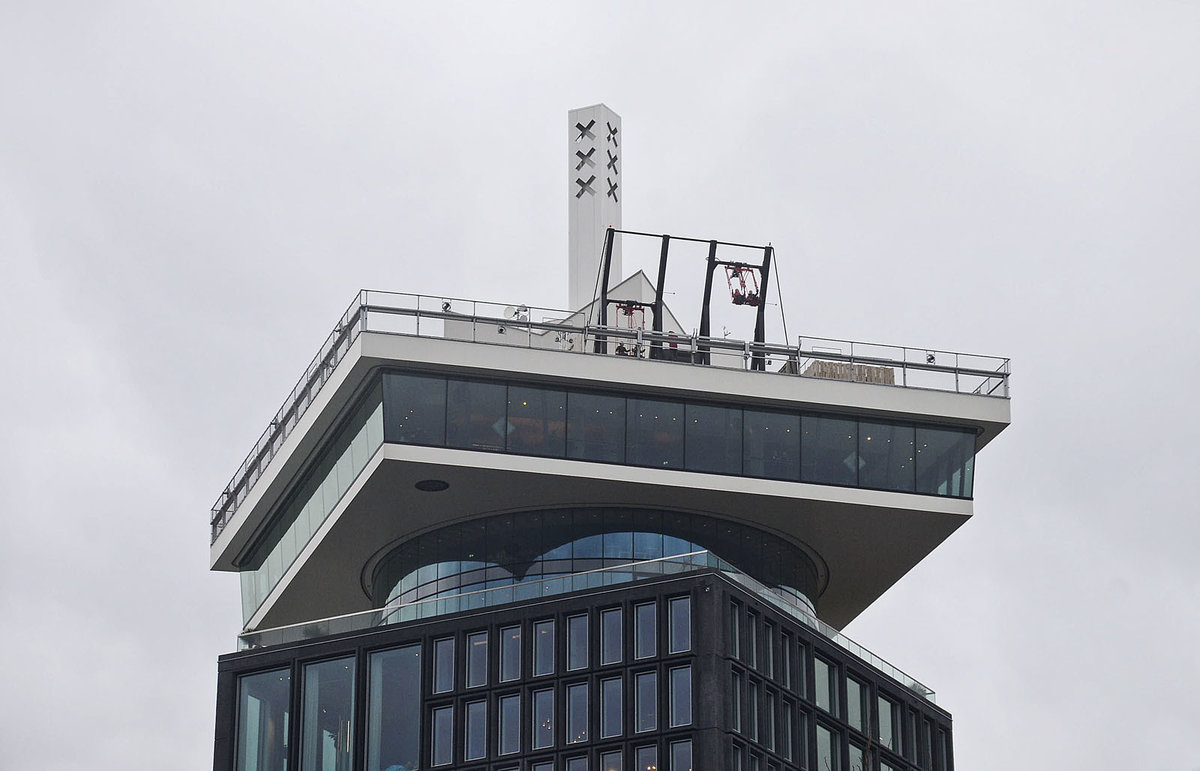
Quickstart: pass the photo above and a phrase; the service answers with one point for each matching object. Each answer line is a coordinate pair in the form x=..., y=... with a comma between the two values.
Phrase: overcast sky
x=192, y=192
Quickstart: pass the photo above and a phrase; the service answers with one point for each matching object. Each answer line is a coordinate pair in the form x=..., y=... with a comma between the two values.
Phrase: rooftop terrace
x=573, y=333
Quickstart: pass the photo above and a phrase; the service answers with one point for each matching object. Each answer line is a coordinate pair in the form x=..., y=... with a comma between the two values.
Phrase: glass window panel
x=752, y=639
x=681, y=756
x=886, y=455
x=888, y=735
x=785, y=730
x=414, y=409
x=612, y=712
x=537, y=419
x=327, y=734
x=680, y=624
x=510, y=653
x=825, y=685
x=475, y=415
x=477, y=659
x=827, y=749
x=857, y=699
x=768, y=721
x=856, y=758
x=735, y=702
x=654, y=433
x=735, y=630
x=596, y=427
x=393, y=726
x=577, y=713
x=786, y=664
x=752, y=709
x=442, y=749
x=713, y=438
x=262, y=734
x=611, y=761
x=645, y=626
x=475, y=740
x=546, y=765
x=543, y=719
x=577, y=642
x=543, y=648
x=945, y=457
x=828, y=450
x=648, y=546
x=510, y=724
x=611, y=636
x=646, y=758
x=768, y=662
x=681, y=696
x=443, y=665
x=578, y=763
x=646, y=701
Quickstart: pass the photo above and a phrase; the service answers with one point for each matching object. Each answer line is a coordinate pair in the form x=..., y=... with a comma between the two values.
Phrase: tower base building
x=502, y=538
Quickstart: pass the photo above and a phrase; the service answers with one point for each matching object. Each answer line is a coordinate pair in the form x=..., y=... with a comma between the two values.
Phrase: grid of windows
x=861, y=721
x=600, y=715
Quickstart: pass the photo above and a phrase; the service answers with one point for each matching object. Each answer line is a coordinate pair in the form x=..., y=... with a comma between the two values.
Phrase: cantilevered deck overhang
x=863, y=540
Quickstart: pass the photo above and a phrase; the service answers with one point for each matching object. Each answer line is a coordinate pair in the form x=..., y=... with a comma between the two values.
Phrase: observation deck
x=339, y=478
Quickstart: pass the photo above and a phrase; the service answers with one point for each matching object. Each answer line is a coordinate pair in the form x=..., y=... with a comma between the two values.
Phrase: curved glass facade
x=523, y=419
x=515, y=550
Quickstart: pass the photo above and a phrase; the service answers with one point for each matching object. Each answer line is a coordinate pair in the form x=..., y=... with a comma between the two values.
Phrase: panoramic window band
x=818, y=448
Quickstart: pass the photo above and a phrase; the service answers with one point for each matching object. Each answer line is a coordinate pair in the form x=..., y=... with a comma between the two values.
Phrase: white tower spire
x=594, y=195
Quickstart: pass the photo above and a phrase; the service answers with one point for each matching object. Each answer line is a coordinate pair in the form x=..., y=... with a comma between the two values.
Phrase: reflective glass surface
x=577, y=642
x=543, y=719
x=442, y=749
x=825, y=684
x=681, y=696
x=662, y=433
x=680, y=632
x=828, y=450
x=645, y=629
x=443, y=665
x=611, y=636
x=654, y=433
x=510, y=724
x=393, y=726
x=477, y=659
x=611, y=707
x=596, y=427
x=713, y=439
x=577, y=713
x=327, y=733
x=321, y=488
x=510, y=654
x=537, y=421
x=263, y=703
x=415, y=408
x=543, y=650
x=645, y=701
x=646, y=758
x=475, y=738
x=681, y=756
x=475, y=415
x=886, y=457
x=488, y=554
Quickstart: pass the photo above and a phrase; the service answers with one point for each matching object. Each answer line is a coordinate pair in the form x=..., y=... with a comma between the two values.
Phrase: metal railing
x=536, y=588
x=572, y=332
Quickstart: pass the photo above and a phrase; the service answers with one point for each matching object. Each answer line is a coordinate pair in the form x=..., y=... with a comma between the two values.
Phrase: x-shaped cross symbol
x=584, y=158
x=612, y=134
x=612, y=190
x=585, y=131
x=612, y=162
x=585, y=187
